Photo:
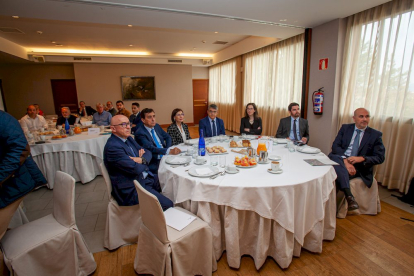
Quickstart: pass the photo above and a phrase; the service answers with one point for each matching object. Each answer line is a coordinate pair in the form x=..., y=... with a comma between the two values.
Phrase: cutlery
x=218, y=174
x=179, y=165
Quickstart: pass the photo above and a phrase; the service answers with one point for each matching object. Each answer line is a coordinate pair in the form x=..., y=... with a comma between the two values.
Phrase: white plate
x=192, y=171
x=268, y=161
x=170, y=160
x=275, y=172
x=199, y=164
x=281, y=141
x=232, y=172
x=307, y=149
x=244, y=167
x=275, y=157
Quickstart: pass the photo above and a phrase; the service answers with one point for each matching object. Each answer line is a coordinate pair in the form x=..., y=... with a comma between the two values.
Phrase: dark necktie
x=294, y=130
x=355, y=145
x=214, y=128
x=156, y=141
x=132, y=150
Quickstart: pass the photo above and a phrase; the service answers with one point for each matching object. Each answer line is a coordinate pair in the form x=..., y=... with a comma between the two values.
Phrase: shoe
x=352, y=204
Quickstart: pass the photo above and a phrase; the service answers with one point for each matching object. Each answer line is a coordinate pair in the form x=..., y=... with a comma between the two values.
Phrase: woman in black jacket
x=178, y=130
x=251, y=123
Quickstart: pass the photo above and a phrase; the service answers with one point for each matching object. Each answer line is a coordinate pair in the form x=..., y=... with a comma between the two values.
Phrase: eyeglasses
x=124, y=125
x=250, y=108
x=212, y=111
x=180, y=114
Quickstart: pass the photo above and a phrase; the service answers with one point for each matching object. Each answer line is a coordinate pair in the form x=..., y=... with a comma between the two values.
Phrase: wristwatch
x=144, y=161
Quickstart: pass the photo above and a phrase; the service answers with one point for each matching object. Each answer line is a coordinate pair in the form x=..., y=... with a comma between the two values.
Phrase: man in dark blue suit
x=153, y=138
x=126, y=161
x=357, y=148
x=212, y=125
x=135, y=118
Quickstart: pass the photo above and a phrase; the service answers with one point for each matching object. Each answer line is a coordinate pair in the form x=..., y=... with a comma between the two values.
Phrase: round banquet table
x=79, y=156
x=257, y=213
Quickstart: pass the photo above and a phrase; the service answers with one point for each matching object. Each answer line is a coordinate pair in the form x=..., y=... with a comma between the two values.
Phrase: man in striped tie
x=357, y=148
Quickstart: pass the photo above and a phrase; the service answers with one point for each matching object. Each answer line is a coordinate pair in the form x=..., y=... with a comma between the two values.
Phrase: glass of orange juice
x=261, y=146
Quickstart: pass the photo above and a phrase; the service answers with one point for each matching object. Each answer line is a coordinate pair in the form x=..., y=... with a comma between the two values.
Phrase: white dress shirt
x=29, y=124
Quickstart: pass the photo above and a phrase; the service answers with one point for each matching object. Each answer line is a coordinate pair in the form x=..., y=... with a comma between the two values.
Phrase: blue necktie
x=214, y=128
x=132, y=150
x=355, y=145
x=156, y=141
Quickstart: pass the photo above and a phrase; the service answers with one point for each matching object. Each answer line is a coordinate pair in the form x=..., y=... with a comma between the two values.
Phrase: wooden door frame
x=208, y=86
x=2, y=96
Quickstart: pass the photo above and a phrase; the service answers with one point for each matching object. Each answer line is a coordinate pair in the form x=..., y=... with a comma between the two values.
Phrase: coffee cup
x=43, y=137
x=276, y=166
x=59, y=127
x=42, y=129
x=231, y=168
x=102, y=128
x=199, y=160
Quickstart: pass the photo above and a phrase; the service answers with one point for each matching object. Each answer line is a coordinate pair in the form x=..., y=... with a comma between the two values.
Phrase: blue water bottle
x=201, y=144
x=67, y=127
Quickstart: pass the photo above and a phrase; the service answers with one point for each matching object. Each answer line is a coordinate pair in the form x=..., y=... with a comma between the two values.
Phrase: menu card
x=178, y=219
x=92, y=131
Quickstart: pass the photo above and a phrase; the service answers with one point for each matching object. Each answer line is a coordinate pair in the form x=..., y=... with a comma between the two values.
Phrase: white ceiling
x=102, y=24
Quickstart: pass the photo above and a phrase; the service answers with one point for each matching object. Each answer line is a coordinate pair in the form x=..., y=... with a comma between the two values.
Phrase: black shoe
x=352, y=204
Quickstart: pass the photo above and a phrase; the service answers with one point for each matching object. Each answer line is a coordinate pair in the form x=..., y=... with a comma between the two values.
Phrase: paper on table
x=179, y=160
x=324, y=161
x=178, y=219
x=95, y=130
x=203, y=171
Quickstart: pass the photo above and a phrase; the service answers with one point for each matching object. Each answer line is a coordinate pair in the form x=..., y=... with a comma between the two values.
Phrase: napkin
x=203, y=171
x=307, y=149
x=179, y=160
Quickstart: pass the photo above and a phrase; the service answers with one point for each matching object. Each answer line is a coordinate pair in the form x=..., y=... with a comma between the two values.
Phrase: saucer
x=274, y=157
x=268, y=161
x=232, y=172
x=202, y=163
x=275, y=172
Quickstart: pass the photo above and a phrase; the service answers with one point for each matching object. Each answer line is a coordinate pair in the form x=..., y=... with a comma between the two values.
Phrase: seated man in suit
x=357, y=148
x=84, y=110
x=126, y=161
x=293, y=127
x=212, y=125
x=110, y=108
x=66, y=115
x=135, y=118
x=153, y=138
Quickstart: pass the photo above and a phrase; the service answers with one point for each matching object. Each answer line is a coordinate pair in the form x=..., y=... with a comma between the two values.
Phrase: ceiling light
x=216, y=32
x=129, y=25
x=39, y=32
x=193, y=55
x=130, y=45
x=15, y=16
x=87, y=52
x=203, y=41
x=58, y=45
x=53, y=42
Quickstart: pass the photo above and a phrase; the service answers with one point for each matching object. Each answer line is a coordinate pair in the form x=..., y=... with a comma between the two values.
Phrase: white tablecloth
x=79, y=156
x=258, y=213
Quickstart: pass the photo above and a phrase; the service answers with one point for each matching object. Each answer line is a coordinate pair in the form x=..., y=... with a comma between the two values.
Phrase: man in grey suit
x=293, y=127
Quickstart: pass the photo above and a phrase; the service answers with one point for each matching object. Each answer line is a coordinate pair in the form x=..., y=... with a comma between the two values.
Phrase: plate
x=177, y=160
x=199, y=164
x=268, y=161
x=308, y=149
x=275, y=172
x=281, y=141
x=232, y=172
x=244, y=167
x=274, y=157
x=193, y=171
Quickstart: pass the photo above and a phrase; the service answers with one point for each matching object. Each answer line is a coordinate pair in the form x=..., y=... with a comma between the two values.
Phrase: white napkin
x=203, y=171
x=281, y=140
x=307, y=149
x=179, y=160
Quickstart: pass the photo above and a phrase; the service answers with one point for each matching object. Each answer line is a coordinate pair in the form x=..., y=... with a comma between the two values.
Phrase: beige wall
x=173, y=86
x=25, y=84
x=200, y=72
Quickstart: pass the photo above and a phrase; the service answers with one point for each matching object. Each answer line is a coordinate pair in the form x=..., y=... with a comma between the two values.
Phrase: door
x=64, y=94
x=2, y=102
x=200, y=99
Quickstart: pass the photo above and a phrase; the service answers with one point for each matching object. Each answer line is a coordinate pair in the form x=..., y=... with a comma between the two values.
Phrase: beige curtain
x=378, y=74
x=273, y=79
x=225, y=91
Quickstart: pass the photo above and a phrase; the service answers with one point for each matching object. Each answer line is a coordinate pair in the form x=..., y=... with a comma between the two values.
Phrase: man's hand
x=175, y=151
x=137, y=159
x=287, y=138
x=304, y=139
x=355, y=159
x=351, y=169
x=141, y=152
x=247, y=129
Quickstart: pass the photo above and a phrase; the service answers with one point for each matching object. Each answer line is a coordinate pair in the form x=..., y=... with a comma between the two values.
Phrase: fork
x=217, y=175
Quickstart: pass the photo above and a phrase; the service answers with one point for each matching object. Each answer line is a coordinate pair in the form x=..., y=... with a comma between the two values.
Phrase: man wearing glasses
x=126, y=161
x=212, y=125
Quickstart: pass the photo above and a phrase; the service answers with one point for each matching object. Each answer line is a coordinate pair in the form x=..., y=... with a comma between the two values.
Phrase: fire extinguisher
x=317, y=99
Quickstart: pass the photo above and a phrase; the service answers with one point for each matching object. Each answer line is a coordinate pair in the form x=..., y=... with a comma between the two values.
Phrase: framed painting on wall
x=138, y=88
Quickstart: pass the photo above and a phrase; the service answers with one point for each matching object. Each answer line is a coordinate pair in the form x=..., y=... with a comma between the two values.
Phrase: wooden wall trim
x=306, y=70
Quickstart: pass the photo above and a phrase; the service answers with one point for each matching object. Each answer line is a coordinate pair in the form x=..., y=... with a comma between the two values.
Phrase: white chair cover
x=367, y=198
x=122, y=222
x=163, y=250
x=51, y=245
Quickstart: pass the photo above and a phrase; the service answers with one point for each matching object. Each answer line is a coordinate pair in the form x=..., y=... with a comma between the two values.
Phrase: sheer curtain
x=378, y=75
x=225, y=91
x=273, y=79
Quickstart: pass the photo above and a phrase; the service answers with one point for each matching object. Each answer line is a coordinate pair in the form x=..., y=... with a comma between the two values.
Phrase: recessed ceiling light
x=283, y=20
x=53, y=42
x=216, y=32
x=15, y=16
x=130, y=45
x=39, y=32
x=129, y=25
x=59, y=45
x=203, y=41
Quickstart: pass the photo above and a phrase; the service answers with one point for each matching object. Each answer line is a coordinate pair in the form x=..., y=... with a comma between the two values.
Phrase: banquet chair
x=51, y=245
x=163, y=250
x=122, y=222
x=367, y=198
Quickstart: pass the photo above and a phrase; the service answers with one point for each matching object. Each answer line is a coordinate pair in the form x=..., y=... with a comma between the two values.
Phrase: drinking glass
x=222, y=161
x=213, y=160
x=290, y=146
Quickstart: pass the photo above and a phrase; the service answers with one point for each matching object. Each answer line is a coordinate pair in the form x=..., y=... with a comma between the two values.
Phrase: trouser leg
x=6, y=215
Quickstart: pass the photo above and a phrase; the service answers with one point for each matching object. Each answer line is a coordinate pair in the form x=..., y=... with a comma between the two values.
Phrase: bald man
x=357, y=148
x=126, y=161
x=31, y=121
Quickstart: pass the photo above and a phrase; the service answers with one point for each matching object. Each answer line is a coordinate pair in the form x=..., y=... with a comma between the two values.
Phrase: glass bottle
x=67, y=127
x=201, y=144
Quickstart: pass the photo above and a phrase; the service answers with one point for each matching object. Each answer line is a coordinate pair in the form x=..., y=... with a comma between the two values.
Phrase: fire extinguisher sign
x=323, y=64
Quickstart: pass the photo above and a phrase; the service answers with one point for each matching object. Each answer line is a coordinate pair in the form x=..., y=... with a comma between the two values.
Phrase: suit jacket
x=205, y=125
x=283, y=131
x=123, y=170
x=175, y=133
x=19, y=173
x=144, y=138
x=62, y=120
x=371, y=148
x=89, y=110
x=135, y=120
x=244, y=123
